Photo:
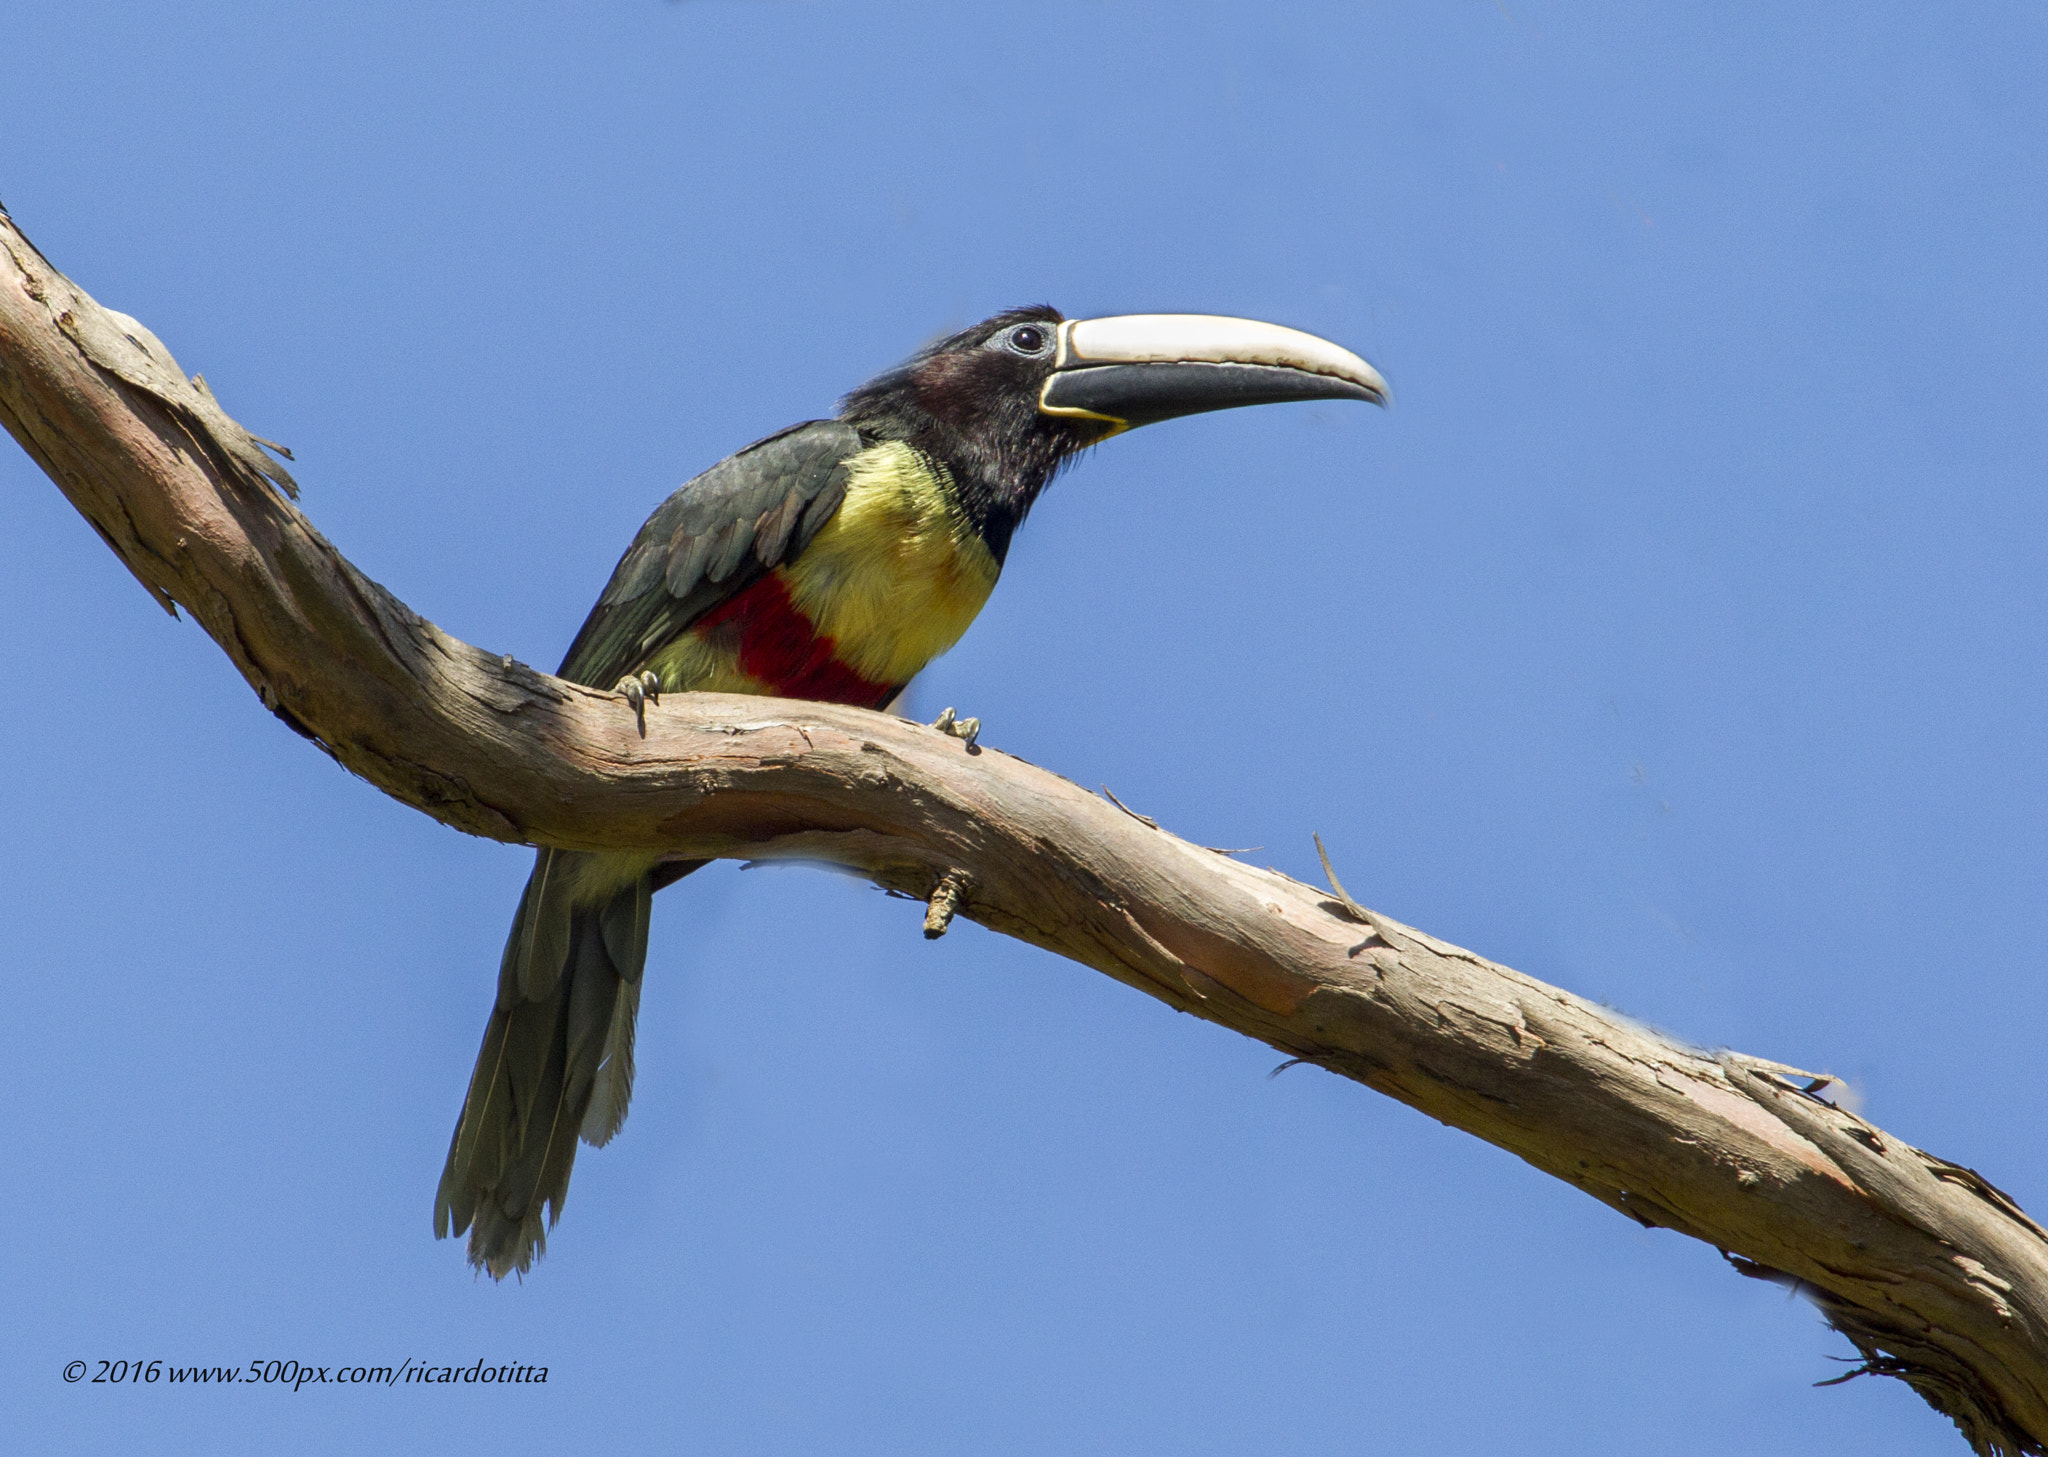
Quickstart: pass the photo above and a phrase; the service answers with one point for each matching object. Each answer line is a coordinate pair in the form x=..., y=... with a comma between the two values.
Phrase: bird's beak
x=1136, y=369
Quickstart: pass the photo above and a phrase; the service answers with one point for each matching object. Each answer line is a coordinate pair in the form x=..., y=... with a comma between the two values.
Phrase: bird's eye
x=1028, y=339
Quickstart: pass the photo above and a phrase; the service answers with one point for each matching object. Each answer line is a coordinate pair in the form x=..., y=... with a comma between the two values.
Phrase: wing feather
x=771, y=532
x=749, y=513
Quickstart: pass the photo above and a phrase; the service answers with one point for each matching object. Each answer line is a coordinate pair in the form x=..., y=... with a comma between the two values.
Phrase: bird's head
x=1007, y=402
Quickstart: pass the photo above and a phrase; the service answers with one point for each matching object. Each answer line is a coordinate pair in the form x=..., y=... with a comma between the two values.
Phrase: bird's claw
x=640, y=689
x=966, y=729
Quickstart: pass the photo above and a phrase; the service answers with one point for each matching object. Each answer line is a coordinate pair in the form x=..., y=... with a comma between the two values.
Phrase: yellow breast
x=898, y=573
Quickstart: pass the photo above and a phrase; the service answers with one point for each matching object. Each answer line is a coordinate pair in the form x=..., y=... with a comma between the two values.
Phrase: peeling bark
x=1936, y=1276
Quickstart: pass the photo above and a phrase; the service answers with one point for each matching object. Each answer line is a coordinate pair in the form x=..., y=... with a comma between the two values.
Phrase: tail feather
x=538, y=948
x=623, y=923
x=557, y=1055
x=614, y=1088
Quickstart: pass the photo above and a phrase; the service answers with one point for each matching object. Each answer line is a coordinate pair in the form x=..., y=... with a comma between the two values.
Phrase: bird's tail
x=557, y=1058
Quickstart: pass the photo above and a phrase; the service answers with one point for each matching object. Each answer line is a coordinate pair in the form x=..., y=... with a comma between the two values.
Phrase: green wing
x=749, y=513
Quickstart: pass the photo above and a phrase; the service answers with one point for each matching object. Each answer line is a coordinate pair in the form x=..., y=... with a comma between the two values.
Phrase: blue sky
x=1678, y=637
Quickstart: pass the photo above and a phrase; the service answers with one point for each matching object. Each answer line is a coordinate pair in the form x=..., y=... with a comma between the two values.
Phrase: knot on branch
x=945, y=902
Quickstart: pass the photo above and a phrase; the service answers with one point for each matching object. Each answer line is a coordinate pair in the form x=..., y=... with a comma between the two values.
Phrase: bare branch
x=1937, y=1277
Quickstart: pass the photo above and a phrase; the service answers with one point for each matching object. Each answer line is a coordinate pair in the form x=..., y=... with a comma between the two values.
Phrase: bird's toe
x=968, y=730
x=639, y=690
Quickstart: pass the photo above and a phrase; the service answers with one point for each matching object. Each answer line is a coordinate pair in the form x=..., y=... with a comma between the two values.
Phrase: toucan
x=831, y=561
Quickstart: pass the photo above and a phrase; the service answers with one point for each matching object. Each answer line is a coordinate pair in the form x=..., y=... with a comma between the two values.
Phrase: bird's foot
x=967, y=729
x=640, y=689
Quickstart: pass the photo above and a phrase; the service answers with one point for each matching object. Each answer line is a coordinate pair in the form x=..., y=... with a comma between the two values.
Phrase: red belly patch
x=777, y=644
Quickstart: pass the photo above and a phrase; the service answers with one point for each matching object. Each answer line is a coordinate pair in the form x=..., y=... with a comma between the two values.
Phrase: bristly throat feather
x=888, y=584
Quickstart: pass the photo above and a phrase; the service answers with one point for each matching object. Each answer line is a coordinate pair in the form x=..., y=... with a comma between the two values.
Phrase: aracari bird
x=831, y=561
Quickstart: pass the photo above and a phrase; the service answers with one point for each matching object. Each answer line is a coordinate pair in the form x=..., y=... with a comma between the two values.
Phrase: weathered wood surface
x=1937, y=1277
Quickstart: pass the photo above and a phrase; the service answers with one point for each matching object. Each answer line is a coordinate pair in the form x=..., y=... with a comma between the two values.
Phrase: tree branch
x=1937, y=1277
